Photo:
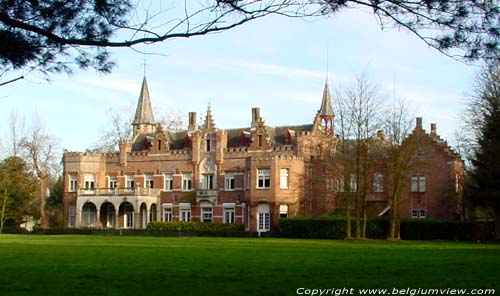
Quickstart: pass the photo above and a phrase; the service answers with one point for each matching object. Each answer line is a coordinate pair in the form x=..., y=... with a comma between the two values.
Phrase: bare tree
x=16, y=133
x=119, y=128
x=362, y=106
x=401, y=150
x=40, y=151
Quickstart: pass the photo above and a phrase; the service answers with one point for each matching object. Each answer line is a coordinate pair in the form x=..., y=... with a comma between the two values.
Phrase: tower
x=325, y=113
x=143, y=120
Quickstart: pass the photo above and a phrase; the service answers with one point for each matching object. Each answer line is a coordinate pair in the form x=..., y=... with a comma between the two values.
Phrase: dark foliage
x=411, y=229
x=43, y=33
x=486, y=161
x=53, y=35
x=19, y=186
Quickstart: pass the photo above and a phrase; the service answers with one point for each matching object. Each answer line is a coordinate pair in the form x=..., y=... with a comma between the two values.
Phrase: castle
x=254, y=175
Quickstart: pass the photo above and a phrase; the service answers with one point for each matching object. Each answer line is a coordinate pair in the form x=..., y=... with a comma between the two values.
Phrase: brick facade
x=252, y=175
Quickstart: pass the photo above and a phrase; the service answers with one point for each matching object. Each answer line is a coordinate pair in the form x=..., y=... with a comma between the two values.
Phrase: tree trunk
x=43, y=218
x=348, y=216
x=4, y=205
x=497, y=222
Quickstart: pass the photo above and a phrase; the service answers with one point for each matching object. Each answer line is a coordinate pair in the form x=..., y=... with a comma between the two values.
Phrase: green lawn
x=111, y=265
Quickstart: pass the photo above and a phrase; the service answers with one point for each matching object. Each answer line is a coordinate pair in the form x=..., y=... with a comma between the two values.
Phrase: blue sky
x=276, y=63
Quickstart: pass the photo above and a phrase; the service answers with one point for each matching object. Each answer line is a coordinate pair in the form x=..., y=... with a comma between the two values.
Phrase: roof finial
x=327, y=62
x=144, y=65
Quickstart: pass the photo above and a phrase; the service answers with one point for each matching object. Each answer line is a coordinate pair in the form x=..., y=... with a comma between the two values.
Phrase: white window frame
x=168, y=183
x=263, y=218
x=185, y=212
x=129, y=182
x=418, y=213
x=283, y=211
x=209, y=181
x=72, y=216
x=207, y=213
x=148, y=181
x=284, y=178
x=354, y=183
x=341, y=184
x=378, y=182
x=229, y=182
x=229, y=213
x=89, y=216
x=112, y=182
x=168, y=212
x=263, y=178
x=73, y=182
x=187, y=182
x=418, y=183
x=89, y=181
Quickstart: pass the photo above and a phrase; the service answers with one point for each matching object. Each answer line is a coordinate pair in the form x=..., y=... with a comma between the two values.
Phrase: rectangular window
x=457, y=183
x=73, y=182
x=89, y=181
x=185, y=212
x=148, y=181
x=283, y=211
x=378, y=182
x=169, y=182
x=208, y=181
x=341, y=184
x=186, y=182
x=354, y=183
x=284, y=178
x=418, y=213
x=229, y=182
x=263, y=178
x=228, y=213
x=112, y=182
x=130, y=181
x=264, y=221
x=417, y=184
x=72, y=216
x=208, y=145
x=167, y=212
x=206, y=214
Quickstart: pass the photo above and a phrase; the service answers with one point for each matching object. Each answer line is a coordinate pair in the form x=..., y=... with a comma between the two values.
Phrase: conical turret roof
x=326, y=102
x=144, y=112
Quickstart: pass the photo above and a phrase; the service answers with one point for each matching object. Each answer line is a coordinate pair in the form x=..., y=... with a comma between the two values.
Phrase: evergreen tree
x=17, y=189
x=486, y=161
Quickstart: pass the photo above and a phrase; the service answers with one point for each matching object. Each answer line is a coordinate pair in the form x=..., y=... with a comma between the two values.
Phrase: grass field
x=100, y=265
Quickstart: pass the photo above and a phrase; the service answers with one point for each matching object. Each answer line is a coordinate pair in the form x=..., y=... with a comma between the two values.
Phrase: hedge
x=195, y=227
x=334, y=227
x=427, y=229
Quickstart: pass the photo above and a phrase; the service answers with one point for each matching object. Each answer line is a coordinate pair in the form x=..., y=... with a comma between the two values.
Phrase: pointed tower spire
x=325, y=113
x=209, y=120
x=326, y=103
x=143, y=119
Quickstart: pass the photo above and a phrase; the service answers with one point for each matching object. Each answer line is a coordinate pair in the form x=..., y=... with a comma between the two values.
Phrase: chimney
x=419, y=123
x=125, y=149
x=192, y=121
x=255, y=115
x=433, y=129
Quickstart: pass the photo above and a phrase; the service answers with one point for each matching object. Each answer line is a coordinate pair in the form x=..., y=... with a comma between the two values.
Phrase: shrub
x=334, y=227
x=175, y=226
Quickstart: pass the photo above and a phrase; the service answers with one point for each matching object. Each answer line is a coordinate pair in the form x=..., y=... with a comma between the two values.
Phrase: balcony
x=118, y=191
x=206, y=194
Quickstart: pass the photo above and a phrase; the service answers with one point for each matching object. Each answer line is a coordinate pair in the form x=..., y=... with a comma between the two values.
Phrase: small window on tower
x=208, y=145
